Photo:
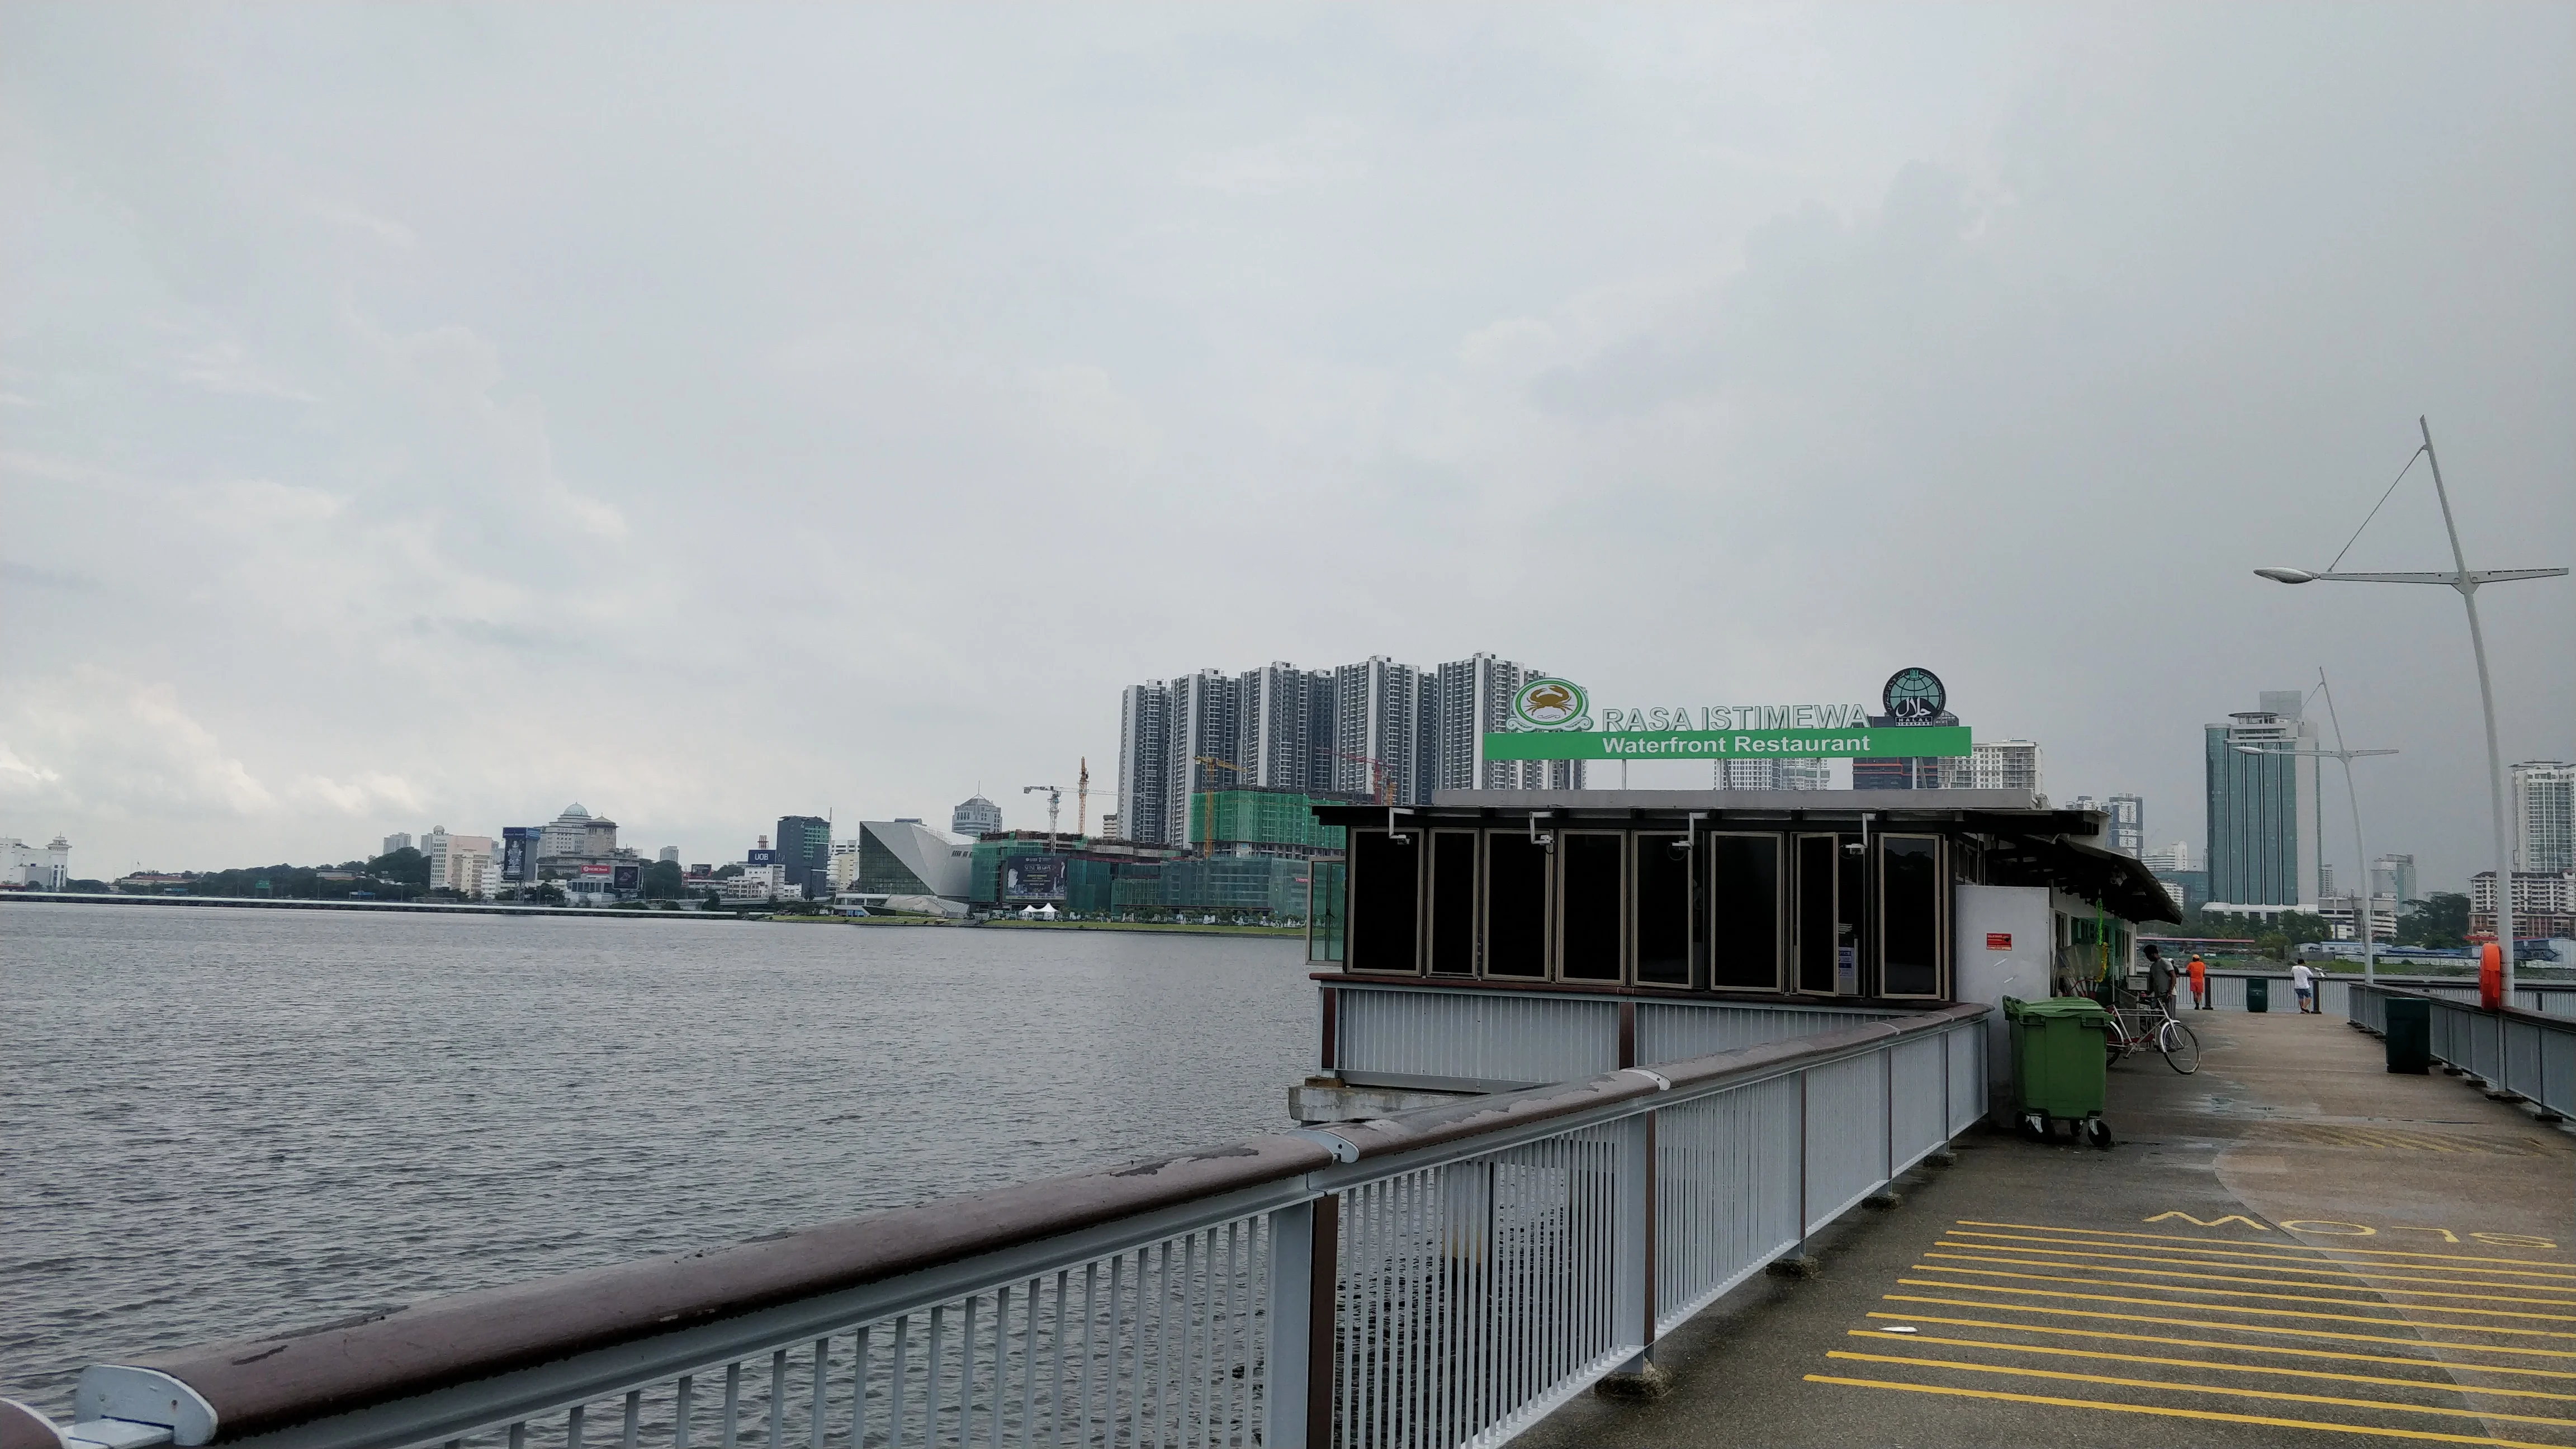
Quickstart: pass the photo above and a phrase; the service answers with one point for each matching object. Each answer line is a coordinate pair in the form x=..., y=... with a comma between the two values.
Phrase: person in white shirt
x=2303, y=980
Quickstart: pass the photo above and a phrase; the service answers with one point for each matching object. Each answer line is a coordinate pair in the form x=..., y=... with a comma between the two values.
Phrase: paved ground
x=2291, y=1247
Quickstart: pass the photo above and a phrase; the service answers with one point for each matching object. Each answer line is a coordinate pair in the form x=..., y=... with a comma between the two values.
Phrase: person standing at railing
x=2160, y=980
x=2303, y=980
x=2198, y=972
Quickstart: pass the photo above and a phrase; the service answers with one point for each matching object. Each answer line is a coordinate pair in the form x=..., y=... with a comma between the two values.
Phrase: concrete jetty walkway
x=2290, y=1247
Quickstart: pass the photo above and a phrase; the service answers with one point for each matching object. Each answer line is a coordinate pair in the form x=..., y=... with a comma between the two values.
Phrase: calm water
x=215, y=1123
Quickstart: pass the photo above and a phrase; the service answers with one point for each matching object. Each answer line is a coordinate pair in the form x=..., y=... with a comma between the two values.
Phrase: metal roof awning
x=2122, y=883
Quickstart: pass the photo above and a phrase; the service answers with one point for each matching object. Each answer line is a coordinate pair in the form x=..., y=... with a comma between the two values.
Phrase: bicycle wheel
x=2181, y=1048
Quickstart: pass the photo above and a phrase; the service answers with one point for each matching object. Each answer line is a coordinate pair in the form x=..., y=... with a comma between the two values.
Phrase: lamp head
x=2287, y=576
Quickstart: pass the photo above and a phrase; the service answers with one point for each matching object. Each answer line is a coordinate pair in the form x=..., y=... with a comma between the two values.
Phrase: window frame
x=1353, y=958
x=1485, y=909
x=1632, y=956
x=1428, y=906
x=1798, y=907
x=1784, y=926
x=1940, y=917
x=1561, y=915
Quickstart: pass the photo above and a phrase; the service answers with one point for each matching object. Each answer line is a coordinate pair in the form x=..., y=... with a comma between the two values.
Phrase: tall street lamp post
x=2466, y=580
x=2362, y=917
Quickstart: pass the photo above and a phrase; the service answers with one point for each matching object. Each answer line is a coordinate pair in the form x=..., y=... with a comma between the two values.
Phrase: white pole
x=2362, y=913
x=2468, y=588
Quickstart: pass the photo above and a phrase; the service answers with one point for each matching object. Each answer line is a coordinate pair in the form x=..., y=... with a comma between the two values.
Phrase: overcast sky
x=417, y=415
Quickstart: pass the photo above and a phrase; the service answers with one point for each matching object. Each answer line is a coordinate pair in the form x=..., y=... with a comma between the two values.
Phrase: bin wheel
x=2098, y=1132
x=2034, y=1126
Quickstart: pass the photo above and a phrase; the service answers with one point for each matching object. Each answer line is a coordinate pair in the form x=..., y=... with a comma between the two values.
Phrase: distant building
x=2337, y=912
x=2263, y=826
x=35, y=867
x=2177, y=856
x=805, y=852
x=577, y=834
x=668, y=855
x=2394, y=875
x=2128, y=833
x=2544, y=903
x=1109, y=827
x=975, y=817
x=845, y=864
x=2544, y=815
x=460, y=863
x=399, y=840
x=1995, y=765
x=1774, y=774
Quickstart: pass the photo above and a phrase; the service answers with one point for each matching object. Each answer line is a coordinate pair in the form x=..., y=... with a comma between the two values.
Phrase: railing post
x=1632, y=1242
x=1304, y=1292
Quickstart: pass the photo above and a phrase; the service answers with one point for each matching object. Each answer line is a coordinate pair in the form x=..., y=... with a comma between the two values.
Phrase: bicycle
x=2140, y=1025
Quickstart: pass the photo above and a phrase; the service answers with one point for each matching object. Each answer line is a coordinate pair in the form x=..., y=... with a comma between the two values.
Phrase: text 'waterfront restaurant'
x=1863, y=902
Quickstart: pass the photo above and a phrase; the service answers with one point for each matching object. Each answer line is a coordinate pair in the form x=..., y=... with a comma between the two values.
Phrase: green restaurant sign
x=1552, y=720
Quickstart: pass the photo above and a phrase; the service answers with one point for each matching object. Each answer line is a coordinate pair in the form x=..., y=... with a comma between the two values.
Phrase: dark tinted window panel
x=1663, y=910
x=1744, y=911
x=1383, y=891
x=1910, y=920
x=1453, y=903
x=1590, y=907
x=1515, y=905
x=1816, y=913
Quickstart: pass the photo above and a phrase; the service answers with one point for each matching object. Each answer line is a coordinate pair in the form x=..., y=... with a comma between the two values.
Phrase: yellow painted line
x=2168, y=1411
x=2439, y=1363
x=2233, y=1327
x=2242, y=1293
x=2261, y=1243
x=2230, y=1308
x=2489, y=1296
x=2445, y=1385
x=2276, y=1395
x=2222, y=1254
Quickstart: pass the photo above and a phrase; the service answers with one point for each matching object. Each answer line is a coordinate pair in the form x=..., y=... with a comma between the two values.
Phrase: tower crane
x=1381, y=776
x=1055, y=802
x=1207, y=843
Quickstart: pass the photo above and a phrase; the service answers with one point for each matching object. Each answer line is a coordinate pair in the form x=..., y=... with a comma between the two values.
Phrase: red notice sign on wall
x=1999, y=940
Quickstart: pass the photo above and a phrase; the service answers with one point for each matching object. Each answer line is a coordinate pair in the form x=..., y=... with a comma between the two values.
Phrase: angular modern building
x=907, y=858
x=2263, y=821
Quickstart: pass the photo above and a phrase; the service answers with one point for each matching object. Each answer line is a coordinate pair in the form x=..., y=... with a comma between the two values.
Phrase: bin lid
x=2078, y=1008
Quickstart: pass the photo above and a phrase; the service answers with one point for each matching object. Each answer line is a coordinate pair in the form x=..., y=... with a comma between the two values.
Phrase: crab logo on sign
x=1551, y=704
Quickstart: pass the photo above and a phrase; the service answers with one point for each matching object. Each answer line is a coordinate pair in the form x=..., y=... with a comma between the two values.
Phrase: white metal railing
x=2517, y=1053
x=1440, y=1278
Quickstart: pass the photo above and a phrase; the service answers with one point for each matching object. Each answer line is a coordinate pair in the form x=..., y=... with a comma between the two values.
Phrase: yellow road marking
x=2241, y=1293
x=2225, y=1308
x=1994, y=1256
x=2218, y=1254
x=2446, y=1386
x=2017, y=1371
x=2170, y=1412
x=2259, y=1243
x=2232, y=1327
x=2439, y=1363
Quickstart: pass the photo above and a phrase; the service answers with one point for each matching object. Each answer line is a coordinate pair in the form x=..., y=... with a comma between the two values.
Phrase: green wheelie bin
x=2060, y=1056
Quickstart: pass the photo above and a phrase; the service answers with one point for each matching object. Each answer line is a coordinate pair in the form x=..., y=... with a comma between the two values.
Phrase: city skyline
x=365, y=475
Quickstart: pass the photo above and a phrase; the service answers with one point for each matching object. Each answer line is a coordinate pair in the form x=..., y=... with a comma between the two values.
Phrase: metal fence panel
x=1726, y=1179
x=1846, y=1135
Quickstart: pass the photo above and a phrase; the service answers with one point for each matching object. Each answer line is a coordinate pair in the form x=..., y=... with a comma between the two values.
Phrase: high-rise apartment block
x=399, y=840
x=1377, y=729
x=2544, y=815
x=2263, y=825
x=2128, y=826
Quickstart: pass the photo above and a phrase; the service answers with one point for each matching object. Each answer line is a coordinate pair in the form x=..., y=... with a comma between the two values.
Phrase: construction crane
x=1207, y=842
x=1082, y=801
x=1055, y=802
x=1380, y=774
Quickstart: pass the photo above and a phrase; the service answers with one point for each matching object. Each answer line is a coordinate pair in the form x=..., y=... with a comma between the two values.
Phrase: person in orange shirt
x=2198, y=971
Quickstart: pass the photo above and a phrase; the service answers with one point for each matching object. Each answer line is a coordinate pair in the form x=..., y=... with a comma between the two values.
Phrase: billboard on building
x=758, y=858
x=627, y=880
x=519, y=852
x=1033, y=878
